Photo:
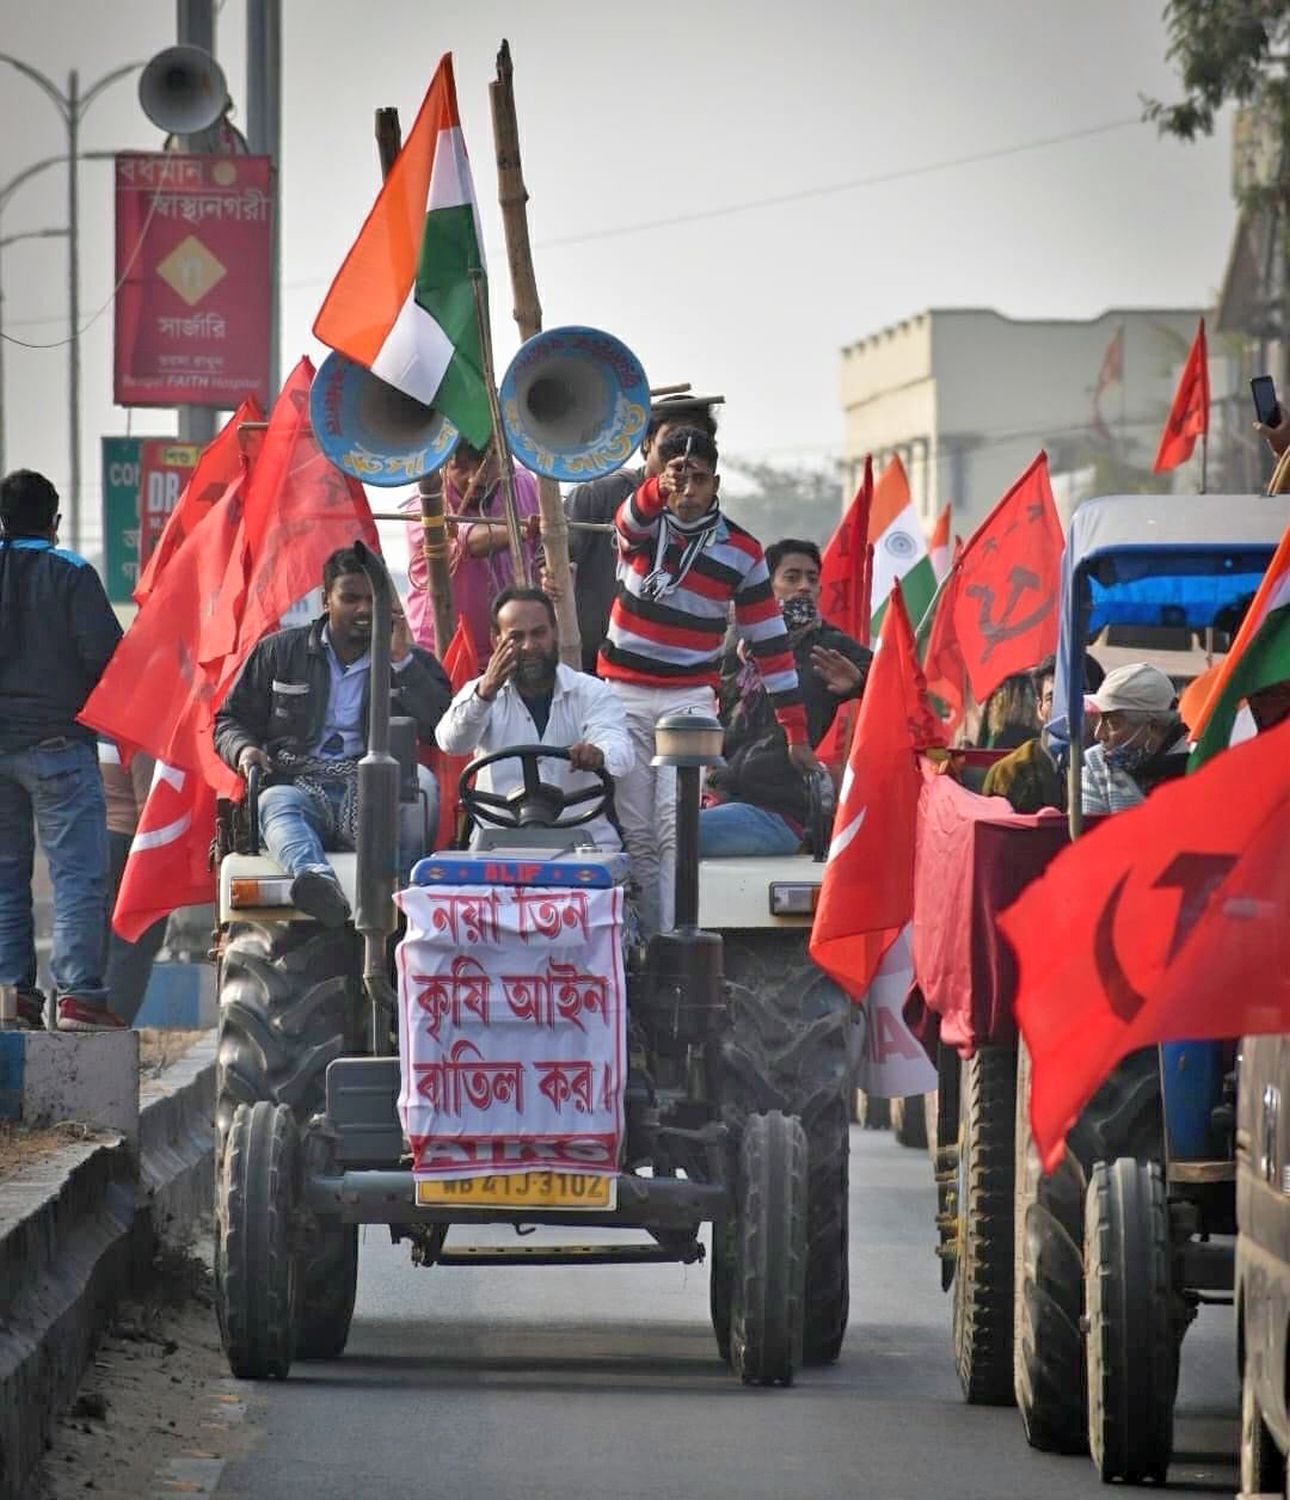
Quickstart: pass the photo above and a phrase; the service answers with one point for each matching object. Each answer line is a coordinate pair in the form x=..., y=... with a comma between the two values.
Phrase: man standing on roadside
x=57, y=634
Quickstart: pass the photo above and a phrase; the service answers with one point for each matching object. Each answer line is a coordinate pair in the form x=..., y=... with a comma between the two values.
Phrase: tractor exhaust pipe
x=378, y=813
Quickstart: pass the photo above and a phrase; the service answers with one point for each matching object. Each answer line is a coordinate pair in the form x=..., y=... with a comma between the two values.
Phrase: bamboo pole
x=512, y=195
x=505, y=464
x=434, y=533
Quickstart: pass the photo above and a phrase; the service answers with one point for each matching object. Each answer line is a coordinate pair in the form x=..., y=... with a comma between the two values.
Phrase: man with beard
x=758, y=799
x=527, y=696
x=299, y=712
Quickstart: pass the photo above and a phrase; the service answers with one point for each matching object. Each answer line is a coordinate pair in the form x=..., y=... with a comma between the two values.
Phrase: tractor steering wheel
x=535, y=803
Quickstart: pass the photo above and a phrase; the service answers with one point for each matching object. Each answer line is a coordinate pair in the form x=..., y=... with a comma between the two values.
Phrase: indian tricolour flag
x=939, y=547
x=1259, y=658
x=403, y=304
x=899, y=550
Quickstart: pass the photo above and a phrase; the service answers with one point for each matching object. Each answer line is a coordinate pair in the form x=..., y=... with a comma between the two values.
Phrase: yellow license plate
x=571, y=1190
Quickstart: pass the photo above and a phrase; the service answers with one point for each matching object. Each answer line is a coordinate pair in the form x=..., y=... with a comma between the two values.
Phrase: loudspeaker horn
x=575, y=402
x=373, y=432
x=183, y=90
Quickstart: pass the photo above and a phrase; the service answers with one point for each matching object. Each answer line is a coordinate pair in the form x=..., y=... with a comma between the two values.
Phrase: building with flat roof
x=967, y=396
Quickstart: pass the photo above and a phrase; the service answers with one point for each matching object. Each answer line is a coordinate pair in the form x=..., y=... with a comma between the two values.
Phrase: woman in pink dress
x=479, y=552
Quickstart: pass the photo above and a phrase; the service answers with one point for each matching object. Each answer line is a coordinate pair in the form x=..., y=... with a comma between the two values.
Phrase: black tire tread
x=1132, y=1350
x=790, y=1026
x=909, y=1121
x=983, y=1277
x=254, y=1273
x=769, y=1282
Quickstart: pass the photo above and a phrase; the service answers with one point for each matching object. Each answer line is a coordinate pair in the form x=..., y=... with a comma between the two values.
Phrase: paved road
x=582, y=1384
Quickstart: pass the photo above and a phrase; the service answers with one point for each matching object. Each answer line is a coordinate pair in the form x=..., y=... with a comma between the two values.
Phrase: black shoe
x=31, y=1010
x=318, y=895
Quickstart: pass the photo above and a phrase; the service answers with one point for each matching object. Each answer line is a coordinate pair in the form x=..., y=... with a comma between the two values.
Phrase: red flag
x=169, y=861
x=219, y=466
x=1111, y=373
x=1164, y=922
x=843, y=602
x=1188, y=417
x=997, y=613
x=299, y=509
x=867, y=894
x=461, y=662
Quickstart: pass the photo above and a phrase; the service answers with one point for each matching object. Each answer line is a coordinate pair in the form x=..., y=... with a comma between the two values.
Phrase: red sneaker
x=76, y=1013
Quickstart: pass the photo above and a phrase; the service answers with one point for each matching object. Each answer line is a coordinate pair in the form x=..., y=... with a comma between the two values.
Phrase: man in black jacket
x=299, y=711
x=594, y=554
x=57, y=633
x=760, y=801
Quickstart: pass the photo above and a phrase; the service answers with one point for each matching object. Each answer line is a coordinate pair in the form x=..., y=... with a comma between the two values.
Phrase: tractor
x=733, y=1110
x=1072, y=1292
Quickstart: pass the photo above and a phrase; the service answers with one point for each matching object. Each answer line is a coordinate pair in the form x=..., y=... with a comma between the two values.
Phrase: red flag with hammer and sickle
x=1163, y=923
x=1188, y=416
x=997, y=613
x=844, y=591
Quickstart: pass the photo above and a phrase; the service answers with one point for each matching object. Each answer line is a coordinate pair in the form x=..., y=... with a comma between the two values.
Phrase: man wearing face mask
x=527, y=696
x=759, y=797
x=1141, y=741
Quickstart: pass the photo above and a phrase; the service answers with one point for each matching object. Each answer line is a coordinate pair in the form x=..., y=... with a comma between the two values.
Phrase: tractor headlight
x=793, y=900
x=273, y=891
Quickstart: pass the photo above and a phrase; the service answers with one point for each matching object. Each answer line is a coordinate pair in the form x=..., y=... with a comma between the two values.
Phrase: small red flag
x=867, y=894
x=1188, y=417
x=844, y=599
x=169, y=861
x=461, y=662
x=997, y=613
x=219, y=466
x=1162, y=923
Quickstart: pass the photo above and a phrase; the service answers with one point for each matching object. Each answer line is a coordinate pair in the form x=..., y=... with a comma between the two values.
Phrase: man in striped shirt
x=682, y=564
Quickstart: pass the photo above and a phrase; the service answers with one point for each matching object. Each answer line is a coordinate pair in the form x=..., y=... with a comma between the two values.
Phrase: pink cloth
x=476, y=581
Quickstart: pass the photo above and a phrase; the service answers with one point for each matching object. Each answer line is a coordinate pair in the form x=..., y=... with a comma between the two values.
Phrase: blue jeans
x=734, y=829
x=54, y=790
x=295, y=832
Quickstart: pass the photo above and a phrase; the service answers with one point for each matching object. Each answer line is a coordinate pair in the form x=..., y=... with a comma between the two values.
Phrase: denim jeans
x=732, y=829
x=295, y=831
x=127, y=966
x=54, y=790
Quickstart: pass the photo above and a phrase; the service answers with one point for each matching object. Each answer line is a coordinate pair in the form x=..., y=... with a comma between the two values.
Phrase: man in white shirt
x=526, y=696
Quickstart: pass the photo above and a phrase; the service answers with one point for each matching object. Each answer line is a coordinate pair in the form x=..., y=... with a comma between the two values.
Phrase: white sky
x=632, y=113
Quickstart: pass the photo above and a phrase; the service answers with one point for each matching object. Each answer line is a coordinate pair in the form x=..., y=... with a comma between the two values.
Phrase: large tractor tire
x=721, y=1272
x=909, y=1121
x=769, y=1283
x=255, y=1278
x=1122, y=1119
x=289, y=1004
x=1132, y=1351
x=983, y=1294
x=787, y=1051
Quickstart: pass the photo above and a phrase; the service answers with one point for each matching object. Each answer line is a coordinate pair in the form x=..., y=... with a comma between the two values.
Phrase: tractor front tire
x=788, y=1050
x=909, y=1121
x=768, y=1289
x=1132, y=1350
x=328, y=1277
x=254, y=1263
x=983, y=1292
x=721, y=1272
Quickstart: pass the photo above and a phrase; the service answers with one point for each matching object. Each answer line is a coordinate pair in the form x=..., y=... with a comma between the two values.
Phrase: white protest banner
x=893, y=1063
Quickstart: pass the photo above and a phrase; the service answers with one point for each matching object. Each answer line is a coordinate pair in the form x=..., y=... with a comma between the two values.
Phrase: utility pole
x=196, y=28
x=264, y=136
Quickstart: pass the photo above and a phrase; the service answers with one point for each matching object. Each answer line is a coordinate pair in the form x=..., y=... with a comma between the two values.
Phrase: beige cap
x=1139, y=686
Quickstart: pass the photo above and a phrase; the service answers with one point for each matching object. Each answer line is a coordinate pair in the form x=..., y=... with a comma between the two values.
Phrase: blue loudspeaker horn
x=373, y=432
x=575, y=402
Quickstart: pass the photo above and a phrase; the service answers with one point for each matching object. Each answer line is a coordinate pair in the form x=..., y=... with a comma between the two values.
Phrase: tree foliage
x=1226, y=52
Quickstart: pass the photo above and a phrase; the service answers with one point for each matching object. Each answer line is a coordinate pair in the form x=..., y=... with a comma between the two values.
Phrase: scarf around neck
x=692, y=537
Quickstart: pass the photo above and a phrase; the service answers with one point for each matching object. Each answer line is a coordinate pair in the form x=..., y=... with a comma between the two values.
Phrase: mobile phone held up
x=1264, y=391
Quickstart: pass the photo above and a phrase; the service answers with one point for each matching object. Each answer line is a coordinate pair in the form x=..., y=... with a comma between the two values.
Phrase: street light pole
x=12, y=239
x=71, y=107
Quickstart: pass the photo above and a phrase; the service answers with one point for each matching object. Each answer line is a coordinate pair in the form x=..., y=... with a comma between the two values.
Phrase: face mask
x=799, y=611
x=1129, y=755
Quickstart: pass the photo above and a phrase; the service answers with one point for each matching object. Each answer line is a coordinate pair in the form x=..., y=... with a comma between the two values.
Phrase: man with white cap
x=1141, y=741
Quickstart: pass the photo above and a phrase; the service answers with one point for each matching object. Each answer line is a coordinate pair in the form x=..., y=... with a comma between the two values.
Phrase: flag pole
x=1204, y=459
x=506, y=467
x=434, y=533
x=513, y=196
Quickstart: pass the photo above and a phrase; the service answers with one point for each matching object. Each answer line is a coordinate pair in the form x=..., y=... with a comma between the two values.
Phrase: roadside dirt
x=156, y=1412
x=20, y=1147
x=158, y=1048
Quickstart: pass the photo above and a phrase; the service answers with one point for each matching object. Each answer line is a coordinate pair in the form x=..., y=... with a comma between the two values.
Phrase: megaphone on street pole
x=183, y=90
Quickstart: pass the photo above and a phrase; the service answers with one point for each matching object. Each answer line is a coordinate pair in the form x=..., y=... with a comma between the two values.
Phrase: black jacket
x=279, y=701
x=57, y=634
x=595, y=555
x=757, y=767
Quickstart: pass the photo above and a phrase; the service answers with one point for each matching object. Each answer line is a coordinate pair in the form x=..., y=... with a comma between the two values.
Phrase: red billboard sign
x=164, y=469
x=193, y=242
